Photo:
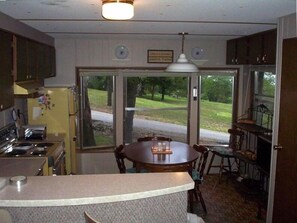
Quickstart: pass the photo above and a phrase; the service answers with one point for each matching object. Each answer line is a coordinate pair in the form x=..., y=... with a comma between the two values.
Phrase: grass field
x=214, y=116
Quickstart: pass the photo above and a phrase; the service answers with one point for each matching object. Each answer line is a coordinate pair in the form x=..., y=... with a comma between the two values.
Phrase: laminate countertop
x=92, y=189
x=25, y=166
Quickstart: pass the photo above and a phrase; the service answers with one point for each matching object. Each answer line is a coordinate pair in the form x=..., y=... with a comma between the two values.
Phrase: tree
x=217, y=88
x=132, y=90
x=88, y=134
x=164, y=83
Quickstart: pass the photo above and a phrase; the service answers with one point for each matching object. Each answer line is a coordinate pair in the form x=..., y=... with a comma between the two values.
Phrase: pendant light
x=117, y=9
x=182, y=64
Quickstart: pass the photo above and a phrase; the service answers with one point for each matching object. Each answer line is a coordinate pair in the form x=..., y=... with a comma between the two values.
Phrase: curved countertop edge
x=187, y=185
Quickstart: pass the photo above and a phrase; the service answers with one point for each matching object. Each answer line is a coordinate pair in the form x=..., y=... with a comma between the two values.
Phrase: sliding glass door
x=216, y=106
x=119, y=106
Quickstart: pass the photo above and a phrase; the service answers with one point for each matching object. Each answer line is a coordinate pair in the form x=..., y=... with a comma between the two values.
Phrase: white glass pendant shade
x=117, y=9
x=182, y=65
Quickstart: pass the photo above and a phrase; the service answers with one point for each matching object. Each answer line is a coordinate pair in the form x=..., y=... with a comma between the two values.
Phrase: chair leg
x=229, y=165
x=196, y=196
x=201, y=199
x=221, y=169
x=210, y=163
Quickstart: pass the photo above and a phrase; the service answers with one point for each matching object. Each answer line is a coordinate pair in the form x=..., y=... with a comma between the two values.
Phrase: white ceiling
x=223, y=18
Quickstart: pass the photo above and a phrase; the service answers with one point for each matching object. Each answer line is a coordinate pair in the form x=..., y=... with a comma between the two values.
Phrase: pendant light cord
x=183, y=40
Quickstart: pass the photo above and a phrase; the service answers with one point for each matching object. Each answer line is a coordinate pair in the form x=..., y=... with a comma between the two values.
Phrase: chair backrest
x=120, y=158
x=200, y=163
x=150, y=138
x=89, y=219
x=236, y=139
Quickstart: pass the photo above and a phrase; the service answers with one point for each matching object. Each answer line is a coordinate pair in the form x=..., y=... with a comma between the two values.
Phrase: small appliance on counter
x=33, y=132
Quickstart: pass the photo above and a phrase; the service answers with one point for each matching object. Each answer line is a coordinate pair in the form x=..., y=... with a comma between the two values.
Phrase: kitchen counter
x=25, y=166
x=146, y=198
x=90, y=189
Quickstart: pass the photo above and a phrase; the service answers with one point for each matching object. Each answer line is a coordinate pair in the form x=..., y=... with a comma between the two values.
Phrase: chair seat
x=222, y=151
x=196, y=175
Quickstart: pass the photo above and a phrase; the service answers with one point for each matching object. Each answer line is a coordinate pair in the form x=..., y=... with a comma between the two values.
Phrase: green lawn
x=214, y=116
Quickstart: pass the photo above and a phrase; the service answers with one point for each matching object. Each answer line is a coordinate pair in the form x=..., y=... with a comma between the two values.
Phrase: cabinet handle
x=278, y=147
x=258, y=59
x=264, y=58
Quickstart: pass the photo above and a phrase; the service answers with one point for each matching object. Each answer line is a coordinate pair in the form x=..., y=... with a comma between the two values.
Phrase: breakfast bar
x=107, y=197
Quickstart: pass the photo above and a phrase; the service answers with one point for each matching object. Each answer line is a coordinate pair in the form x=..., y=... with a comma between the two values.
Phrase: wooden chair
x=157, y=138
x=89, y=219
x=226, y=151
x=120, y=156
x=120, y=159
x=198, y=172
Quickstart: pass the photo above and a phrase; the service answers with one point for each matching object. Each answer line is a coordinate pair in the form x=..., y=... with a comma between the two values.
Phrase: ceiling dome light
x=117, y=9
x=182, y=64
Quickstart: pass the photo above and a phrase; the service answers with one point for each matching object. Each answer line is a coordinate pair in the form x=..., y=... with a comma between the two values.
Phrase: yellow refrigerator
x=57, y=109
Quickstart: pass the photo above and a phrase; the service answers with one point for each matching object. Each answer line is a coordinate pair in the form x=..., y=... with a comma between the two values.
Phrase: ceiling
x=155, y=18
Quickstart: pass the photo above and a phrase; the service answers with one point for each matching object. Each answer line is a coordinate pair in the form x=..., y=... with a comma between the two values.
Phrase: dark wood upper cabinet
x=269, y=47
x=255, y=49
x=22, y=60
x=6, y=66
x=53, y=62
x=237, y=51
x=231, y=51
x=262, y=48
x=34, y=61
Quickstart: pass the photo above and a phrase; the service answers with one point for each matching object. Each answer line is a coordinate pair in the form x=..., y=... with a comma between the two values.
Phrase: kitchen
x=89, y=55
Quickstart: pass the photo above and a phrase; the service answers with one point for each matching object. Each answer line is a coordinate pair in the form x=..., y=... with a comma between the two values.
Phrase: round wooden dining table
x=140, y=153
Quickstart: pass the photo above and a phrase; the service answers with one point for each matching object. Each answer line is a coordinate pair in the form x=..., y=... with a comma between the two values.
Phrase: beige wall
x=91, y=52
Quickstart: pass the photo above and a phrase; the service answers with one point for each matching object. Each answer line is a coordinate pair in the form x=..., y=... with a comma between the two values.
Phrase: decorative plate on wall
x=197, y=53
x=121, y=52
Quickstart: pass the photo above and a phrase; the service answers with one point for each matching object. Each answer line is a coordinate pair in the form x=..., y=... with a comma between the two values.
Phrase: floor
x=226, y=204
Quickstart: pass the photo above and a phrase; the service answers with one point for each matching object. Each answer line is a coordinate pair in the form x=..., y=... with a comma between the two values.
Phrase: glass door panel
x=216, y=107
x=156, y=106
x=97, y=105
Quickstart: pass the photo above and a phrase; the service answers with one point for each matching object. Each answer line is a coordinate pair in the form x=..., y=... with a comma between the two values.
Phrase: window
x=263, y=98
x=264, y=88
x=216, y=106
x=156, y=105
x=97, y=109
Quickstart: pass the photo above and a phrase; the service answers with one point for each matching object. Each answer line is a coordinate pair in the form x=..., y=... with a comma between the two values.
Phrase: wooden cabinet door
x=241, y=50
x=269, y=47
x=6, y=65
x=285, y=195
x=53, y=61
x=32, y=60
x=47, y=61
x=255, y=49
x=22, y=68
x=231, y=52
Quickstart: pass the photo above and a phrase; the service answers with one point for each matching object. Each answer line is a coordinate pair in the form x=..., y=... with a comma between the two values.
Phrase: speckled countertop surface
x=28, y=166
x=92, y=189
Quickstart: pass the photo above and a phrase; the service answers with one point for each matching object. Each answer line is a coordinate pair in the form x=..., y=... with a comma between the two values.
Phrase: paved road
x=161, y=126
